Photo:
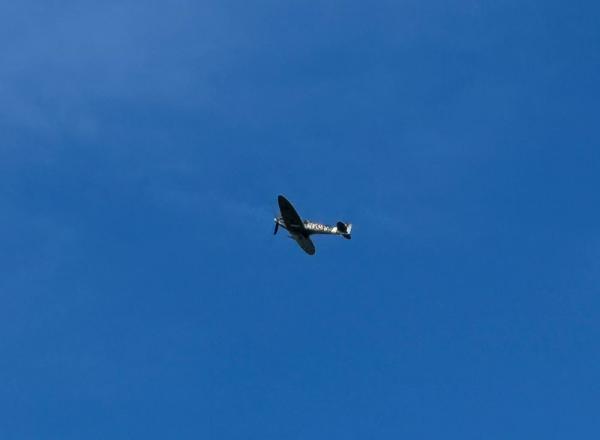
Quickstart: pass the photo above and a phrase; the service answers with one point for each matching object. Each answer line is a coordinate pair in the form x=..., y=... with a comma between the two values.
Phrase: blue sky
x=143, y=146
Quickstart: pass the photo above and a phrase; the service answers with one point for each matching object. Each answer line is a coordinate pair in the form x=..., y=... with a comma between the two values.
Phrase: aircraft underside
x=301, y=230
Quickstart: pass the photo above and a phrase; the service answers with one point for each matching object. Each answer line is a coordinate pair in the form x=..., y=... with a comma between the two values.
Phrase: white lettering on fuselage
x=311, y=227
x=318, y=227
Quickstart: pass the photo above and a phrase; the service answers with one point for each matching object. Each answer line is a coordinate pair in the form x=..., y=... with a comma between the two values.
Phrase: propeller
x=276, y=227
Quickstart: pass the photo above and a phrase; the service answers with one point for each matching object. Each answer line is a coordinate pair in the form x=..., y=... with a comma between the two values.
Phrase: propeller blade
x=276, y=228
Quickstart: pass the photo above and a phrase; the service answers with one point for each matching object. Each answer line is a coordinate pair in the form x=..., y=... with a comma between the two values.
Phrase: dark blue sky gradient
x=143, y=146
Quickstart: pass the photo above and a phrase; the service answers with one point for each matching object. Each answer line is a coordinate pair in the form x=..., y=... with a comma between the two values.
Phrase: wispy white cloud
x=60, y=60
x=217, y=205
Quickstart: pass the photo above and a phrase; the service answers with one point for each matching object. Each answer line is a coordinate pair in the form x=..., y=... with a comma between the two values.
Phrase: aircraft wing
x=305, y=243
x=292, y=220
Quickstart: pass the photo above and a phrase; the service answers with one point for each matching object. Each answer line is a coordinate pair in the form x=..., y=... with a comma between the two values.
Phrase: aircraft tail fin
x=345, y=229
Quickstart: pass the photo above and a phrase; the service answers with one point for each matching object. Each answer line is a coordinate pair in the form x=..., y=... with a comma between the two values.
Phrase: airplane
x=301, y=230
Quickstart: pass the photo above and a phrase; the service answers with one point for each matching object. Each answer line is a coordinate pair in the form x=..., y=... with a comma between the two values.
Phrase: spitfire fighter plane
x=301, y=230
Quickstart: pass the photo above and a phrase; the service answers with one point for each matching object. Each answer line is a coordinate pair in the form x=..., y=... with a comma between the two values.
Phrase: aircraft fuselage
x=313, y=227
